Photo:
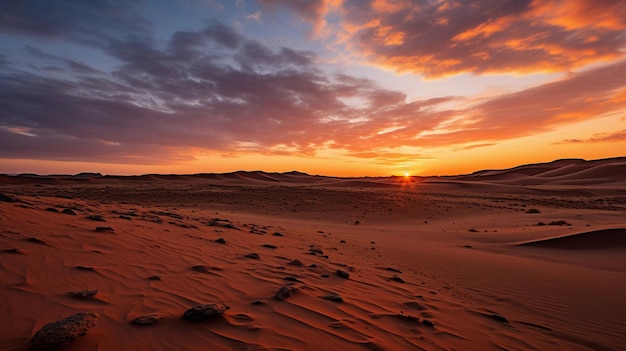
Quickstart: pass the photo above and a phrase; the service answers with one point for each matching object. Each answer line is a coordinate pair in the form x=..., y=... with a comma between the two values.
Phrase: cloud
x=214, y=91
x=598, y=138
x=443, y=38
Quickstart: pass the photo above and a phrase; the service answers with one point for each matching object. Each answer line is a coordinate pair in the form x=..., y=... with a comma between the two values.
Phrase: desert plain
x=528, y=258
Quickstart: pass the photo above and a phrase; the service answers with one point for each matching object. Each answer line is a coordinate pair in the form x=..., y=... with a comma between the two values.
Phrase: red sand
x=454, y=241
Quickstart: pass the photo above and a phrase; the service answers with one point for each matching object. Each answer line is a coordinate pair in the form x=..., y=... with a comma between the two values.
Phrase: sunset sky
x=346, y=88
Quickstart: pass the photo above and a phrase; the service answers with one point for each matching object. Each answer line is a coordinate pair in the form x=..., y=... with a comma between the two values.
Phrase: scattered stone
x=154, y=277
x=204, y=312
x=325, y=275
x=104, y=229
x=254, y=256
x=473, y=230
x=220, y=241
x=561, y=222
x=312, y=265
x=342, y=241
x=343, y=274
x=316, y=251
x=36, y=241
x=258, y=302
x=533, y=210
x=126, y=218
x=147, y=319
x=243, y=317
x=11, y=251
x=296, y=262
x=52, y=209
x=395, y=278
x=498, y=318
x=204, y=269
x=63, y=331
x=428, y=323
x=269, y=246
x=85, y=268
x=540, y=224
x=83, y=294
x=468, y=246
x=284, y=292
x=278, y=234
x=333, y=297
x=97, y=218
x=223, y=223
x=372, y=242
x=6, y=198
x=408, y=317
x=69, y=211
x=393, y=270
x=293, y=279
x=357, y=222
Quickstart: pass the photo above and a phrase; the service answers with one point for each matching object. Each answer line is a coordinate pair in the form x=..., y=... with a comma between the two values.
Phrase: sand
x=450, y=263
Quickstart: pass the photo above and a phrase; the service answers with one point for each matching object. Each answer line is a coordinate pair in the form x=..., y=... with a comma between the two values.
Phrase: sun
x=407, y=174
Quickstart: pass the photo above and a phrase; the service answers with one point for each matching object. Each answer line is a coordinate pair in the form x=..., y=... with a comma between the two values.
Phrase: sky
x=332, y=87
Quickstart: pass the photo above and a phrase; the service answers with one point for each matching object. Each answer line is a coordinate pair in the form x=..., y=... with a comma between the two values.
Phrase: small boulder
x=254, y=256
x=63, y=331
x=69, y=211
x=204, y=312
x=296, y=262
x=83, y=294
x=333, y=297
x=284, y=292
x=343, y=274
x=147, y=319
x=220, y=241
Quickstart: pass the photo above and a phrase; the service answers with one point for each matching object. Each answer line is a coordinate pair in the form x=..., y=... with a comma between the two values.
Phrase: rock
x=312, y=265
x=204, y=312
x=395, y=278
x=85, y=268
x=393, y=270
x=36, y=241
x=278, y=234
x=52, y=209
x=254, y=256
x=325, y=276
x=333, y=297
x=343, y=274
x=154, y=277
x=269, y=246
x=63, y=331
x=258, y=302
x=12, y=251
x=296, y=262
x=83, y=294
x=220, y=241
x=316, y=251
x=284, y=292
x=97, y=218
x=498, y=318
x=6, y=198
x=147, y=319
x=104, y=229
x=69, y=211
x=293, y=279
x=428, y=323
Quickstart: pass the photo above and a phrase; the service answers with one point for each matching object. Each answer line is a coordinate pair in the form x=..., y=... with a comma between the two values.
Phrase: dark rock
x=333, y=297
x=204, y=312
x=395, y=278
x=325, y=275
x=253, y=255
x=269, y=246
x=278, y=234
x=473, y=230
x=52, y=209
x=533, y=210
x=6, y=198
x=342, y=241
x=83, y=294
x=468, y=246
x=293, y=279
x=97, y=218
x=63, y=331
x=147, y=319
x=343, y=274
x=154, y=277
x=393, y=270
x=316, y=251
x=561, y=222
x=284, y=292
x=126, y=218
x=428, y=323
x=69, y=211
x=312, y=265
x=104, y=229
x=85, y=268
x=357, y=222
x=498, y=318
x=220, y=241
x=296, y=262
x=11, y=251
x=36, y=241
x=258, y=302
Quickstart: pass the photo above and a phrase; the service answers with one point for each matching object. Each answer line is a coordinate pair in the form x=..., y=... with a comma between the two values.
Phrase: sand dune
x=614, y=238
x=360, y=264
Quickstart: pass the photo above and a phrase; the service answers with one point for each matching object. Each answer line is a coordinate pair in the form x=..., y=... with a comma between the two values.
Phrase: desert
x=527, y=258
